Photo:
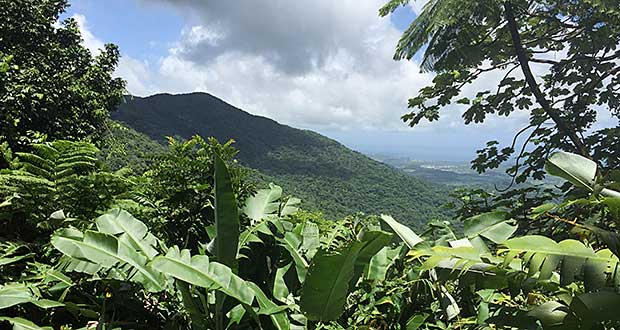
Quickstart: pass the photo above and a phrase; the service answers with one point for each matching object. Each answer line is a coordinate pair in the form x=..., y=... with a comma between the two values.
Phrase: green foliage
x=123, y=147
x=326, y=286
x=325, y=175
x=568, y=284
x=579, y=171
x=288, y=269
x=179, y=189
x=570, y=46
x=410, y=238
x=267, y=203
x=60, y=175
x=122, y=249
x=50, y=83
x=214, y=254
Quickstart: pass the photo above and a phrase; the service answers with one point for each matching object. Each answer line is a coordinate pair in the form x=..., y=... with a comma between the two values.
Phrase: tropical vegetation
x=187, y=240
x=329, y=177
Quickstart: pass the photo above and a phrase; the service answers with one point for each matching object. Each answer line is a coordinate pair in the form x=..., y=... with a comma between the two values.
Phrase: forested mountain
x=322, y=172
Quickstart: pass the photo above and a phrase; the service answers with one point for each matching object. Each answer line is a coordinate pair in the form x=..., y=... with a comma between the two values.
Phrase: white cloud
x=93, y=44
x=321, y=64
x=312, y=64
x=138, y=76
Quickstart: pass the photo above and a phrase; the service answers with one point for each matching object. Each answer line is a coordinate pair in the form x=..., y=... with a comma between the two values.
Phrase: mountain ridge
x=323, y=172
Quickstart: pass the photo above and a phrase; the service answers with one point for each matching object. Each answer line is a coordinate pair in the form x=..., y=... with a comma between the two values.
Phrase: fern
x=57, y=175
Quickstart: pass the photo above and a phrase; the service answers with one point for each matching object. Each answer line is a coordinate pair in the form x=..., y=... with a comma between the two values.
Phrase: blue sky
x=142, y=31
x=319, y=65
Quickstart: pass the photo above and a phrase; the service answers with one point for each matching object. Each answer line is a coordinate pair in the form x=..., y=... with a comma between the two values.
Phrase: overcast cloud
x=324, y=65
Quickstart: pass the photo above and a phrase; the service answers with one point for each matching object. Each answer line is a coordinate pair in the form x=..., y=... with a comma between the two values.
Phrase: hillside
x=322, y=172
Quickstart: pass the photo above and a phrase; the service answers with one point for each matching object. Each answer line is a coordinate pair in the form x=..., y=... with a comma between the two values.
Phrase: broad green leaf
x=477, y=224
x=107, y=251
x=131, y=230
x=290, y=206
x=235, y=315
x=574, y=258
x=14, y=294
x=542, y=244
x=46, y=303
x=490, y=225
x=69, y=264
x=22, y=324
x=276, y=313
x=599, y=306
x=373, y=241
x=416, y=321
x=499, y=232
x=380, y=262
x=550, y=314
x=410, y=238
x=574, y=168
x=250, y=235
x=226, y=217
x=63, y=282
x=198, y=270
x=292, y=242
x=280, y=290
x=326, y=287
x=311, y=239
x=264, y=203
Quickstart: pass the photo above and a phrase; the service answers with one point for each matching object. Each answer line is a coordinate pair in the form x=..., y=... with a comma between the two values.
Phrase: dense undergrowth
x=185, y=239
x=214, y=253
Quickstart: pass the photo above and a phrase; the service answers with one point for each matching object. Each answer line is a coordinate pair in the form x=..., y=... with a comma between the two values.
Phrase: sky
x=322, y=65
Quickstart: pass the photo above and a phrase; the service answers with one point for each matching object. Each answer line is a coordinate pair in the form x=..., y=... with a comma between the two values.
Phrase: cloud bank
x=314, y=64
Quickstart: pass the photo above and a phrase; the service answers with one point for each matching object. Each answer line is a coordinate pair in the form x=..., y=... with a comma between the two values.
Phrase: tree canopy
x=555, y=60
x=188, y=243
x=50, y=84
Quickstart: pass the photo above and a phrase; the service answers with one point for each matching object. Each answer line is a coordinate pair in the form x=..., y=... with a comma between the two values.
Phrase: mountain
x=325, y=174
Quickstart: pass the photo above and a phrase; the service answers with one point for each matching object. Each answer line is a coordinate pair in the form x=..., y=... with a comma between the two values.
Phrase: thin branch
x=544, y=61
x=517, y=165
x=531, y=81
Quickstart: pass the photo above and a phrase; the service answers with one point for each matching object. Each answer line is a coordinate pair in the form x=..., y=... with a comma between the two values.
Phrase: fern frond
x=35, y=160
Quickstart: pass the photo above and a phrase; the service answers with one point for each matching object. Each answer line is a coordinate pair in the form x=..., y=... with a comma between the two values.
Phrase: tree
x=50, y=84
x=558, y=60
x=179, y=187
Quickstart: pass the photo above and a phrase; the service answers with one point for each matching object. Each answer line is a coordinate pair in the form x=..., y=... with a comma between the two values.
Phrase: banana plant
x=578, y=170
x=123, y=246
x=489, y=251
x=331, y=276
x=269, y=203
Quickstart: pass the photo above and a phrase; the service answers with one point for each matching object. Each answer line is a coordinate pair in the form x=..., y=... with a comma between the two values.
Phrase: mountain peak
x=308, y=165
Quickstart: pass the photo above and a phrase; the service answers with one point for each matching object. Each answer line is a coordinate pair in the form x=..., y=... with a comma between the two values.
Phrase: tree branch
x=531, y=81
x=544, y=61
